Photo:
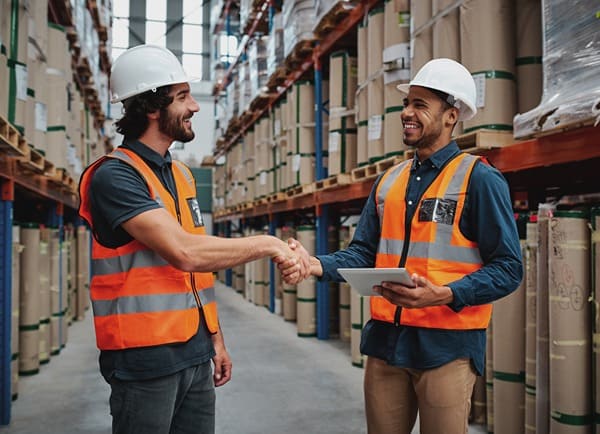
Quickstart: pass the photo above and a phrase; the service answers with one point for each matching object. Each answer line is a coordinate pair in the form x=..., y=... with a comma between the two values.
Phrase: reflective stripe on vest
x=436, y=249
x=151, y=303
x=124, y=263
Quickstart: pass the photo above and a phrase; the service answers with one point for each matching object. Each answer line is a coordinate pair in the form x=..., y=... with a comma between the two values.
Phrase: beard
x=173, y=127
x=428, y=137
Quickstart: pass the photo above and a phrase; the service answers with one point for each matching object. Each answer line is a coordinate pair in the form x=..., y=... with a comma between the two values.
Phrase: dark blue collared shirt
x=488, y=220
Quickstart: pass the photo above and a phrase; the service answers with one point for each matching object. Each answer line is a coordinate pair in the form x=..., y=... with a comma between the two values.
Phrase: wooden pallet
x=11, y=142
x=338, y=12
x=33, y=161
x=374, y=169
x=259, y=102
x=334, y=181
x=299, y=53
x=278, y=77
x=483, y=140
x=276, y=197
x=300, y=190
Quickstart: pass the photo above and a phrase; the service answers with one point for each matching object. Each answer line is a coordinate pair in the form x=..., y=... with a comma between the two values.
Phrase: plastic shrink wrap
x=571, y=69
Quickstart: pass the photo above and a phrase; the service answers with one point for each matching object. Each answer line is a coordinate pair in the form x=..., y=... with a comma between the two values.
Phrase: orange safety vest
x=138, y=298
x=436, y=247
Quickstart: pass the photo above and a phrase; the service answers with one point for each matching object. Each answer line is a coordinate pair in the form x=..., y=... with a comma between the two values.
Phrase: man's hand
x=222, y=361
x=424, y=294
x=290, y=275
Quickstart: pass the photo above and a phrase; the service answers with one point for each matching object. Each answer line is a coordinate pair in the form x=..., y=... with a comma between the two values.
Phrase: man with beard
x=152, y=292
x=446, y=217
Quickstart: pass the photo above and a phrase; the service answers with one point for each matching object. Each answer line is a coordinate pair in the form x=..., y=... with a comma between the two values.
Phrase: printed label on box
x=21, y=78
x=375, y=127
x=41, y=117
x=334, y=142
x=480, y=86
x=296, y=163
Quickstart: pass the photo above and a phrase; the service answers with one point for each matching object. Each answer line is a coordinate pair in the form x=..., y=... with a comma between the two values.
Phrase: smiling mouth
x=410, y=125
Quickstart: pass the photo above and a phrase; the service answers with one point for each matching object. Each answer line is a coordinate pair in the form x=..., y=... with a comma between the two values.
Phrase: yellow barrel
x=83, y=267
x=489, y=377
x=509, y=362
x=375, y=105
x=595, y=218
x=530, y=329
x=306, y=309
x=542, y=374
x=570, y=316
x=64, y=290
x=55, y=292
x=345, y=324
x=529, y=54
x=29, y=301
x=488, y=51
x=44, y=288
x=421, y=34
x=362, y=115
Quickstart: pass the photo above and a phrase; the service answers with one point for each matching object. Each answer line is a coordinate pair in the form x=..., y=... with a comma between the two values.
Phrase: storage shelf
x=323, y=47
x=560, y=148
x=42, y=185
x=262, y=11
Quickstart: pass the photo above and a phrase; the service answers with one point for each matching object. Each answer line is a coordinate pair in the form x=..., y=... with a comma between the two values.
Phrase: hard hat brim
x=404, y=88
x=138, y=92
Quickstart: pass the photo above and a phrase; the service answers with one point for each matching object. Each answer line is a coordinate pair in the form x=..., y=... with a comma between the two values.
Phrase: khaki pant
x=442, y=396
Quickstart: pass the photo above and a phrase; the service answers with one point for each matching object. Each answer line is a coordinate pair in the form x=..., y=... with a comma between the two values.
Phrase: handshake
x=295, y=263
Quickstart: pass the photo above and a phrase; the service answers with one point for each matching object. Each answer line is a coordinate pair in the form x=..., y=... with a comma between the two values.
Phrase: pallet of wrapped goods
x=330, y=13
x=11, y=142
x=571, y=83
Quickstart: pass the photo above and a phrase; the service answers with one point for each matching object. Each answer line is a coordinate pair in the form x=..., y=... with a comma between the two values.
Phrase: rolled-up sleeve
x=362, y=249
x=488, y=219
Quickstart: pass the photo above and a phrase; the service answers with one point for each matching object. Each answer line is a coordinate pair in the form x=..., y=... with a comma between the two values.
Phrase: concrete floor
x=281, y=383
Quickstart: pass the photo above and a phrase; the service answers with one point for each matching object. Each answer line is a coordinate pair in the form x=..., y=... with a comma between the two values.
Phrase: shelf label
x=296, y=163
x=480, y=86
x=375, y=127
x=334, y=142
x=277, y=127
x=41, y=117
x=21, y=79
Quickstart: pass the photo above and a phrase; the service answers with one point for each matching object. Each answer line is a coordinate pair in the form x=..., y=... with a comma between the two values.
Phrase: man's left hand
x=424, y=294
x=222, y=362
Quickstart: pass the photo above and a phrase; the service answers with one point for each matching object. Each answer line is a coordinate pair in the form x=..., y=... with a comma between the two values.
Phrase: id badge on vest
x=437, y=210
x=195, y=211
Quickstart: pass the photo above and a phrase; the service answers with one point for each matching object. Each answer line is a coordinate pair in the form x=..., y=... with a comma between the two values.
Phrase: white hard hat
x=144, y=68
x=450, y=77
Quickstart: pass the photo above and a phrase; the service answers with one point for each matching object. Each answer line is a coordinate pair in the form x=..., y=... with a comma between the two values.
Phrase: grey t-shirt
x=117, y=193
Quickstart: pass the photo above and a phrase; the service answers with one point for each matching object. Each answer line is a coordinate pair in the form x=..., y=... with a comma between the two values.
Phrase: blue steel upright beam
x=322, y=211
x=273, y=221
x=6, y=220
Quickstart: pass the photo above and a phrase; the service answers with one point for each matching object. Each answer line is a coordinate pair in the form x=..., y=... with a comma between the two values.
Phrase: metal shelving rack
x=550, y=151
x=16, y=177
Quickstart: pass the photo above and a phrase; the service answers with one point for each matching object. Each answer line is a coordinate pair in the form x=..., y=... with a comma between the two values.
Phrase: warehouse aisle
x=281, y=383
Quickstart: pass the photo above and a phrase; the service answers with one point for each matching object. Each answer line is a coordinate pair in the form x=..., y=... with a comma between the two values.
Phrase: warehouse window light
x=156, y=10
x=228, y=46
x=120, y=8
x=156, y=33
x=192, y=39
x=192, y=64
x=192, y=11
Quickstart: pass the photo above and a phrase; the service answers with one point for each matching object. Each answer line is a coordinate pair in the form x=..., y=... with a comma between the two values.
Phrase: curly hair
x=135, y=110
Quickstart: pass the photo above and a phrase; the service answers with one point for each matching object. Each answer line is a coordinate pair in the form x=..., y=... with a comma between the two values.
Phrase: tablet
x=363, y=279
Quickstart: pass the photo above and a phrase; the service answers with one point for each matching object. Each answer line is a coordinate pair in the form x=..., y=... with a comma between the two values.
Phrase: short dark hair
x=136, y=108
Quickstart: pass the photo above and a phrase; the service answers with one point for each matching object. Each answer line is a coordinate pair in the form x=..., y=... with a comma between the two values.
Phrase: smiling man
x=446, y=216
x=155, y=313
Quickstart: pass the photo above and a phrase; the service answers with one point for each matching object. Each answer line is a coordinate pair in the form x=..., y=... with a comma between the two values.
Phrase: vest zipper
x=192, y=278
x=407, y=227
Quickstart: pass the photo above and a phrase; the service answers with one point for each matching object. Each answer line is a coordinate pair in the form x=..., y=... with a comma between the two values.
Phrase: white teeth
x=408, y=125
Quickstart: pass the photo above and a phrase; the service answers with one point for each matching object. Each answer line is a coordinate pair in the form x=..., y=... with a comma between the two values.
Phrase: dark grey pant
x=182, y=403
